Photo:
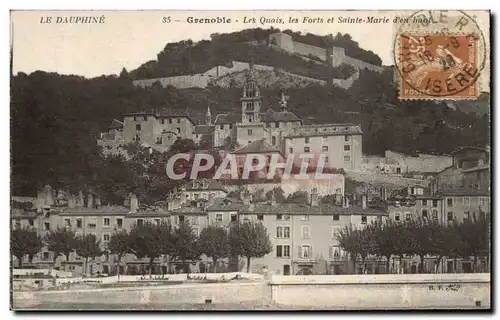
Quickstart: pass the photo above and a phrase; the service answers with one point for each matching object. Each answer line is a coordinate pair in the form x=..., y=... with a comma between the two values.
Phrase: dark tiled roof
x=464, y=192
x=227, y=118
x=477, y=169
x=258, y=146
x=115, y=124
x=226, y=204
x=103, y=210
x=203, y=129
x=278, y=116
x=322, y=209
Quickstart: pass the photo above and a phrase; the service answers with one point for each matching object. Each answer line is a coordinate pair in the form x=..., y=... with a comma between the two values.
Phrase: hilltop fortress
x=279, y=41
x=334, y=55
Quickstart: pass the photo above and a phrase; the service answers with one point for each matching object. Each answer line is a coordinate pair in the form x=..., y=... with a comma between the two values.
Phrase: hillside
x=188, y=58
x=55, y=119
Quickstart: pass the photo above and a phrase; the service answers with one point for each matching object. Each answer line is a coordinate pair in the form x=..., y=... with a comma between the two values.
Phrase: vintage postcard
x=250, y=160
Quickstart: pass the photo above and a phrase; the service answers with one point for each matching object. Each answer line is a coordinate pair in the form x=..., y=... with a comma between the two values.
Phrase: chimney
x=80, y=199
x=363, y=201
x=97, y=201
x=134, y=203
x=49, y=196
x=338, y=199
x=90, y=201
x=71, y=201
x=346, y=202
x=314, y=197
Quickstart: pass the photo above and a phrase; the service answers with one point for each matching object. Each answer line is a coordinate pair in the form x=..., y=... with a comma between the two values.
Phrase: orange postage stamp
x=438, y=66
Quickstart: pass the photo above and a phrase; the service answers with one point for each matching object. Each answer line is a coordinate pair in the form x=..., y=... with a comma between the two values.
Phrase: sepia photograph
x=250, y=160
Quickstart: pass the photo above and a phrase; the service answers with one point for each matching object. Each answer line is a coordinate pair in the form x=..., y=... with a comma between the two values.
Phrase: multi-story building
x=281, y=129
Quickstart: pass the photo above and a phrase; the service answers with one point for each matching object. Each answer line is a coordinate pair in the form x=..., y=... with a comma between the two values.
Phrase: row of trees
x=151, y=241
x=423, y=238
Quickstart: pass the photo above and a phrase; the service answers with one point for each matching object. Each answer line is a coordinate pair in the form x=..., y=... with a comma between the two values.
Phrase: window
x=230, y=126
x=195, y=220
x=286, y=251
x=335, y=232
x=162, y=121
x=105, y=237
x=46, y=255
x=260, y=217
x=424, y=202
x=157, y=221
x=408, y=216
x=31, y=222
x=282, y=251
x=347, y=147
x=119, y=222
x=18, y=223
x=234, y=217
x=466, y=215
x=140, y=222
x=178, y=130
x=92, y=223
x=449, y=202
x=145, y=118
x=335, y=217
x=249, y=132
x=47, y=225
x=364, y=219
x=106, y=221
x=181, y=218
x=334, y=252
x=279, y=232
x=286, y=217
x=286, y=232
x=221, y=127
x=170, y=121
x=347, y=158
x=273, y=139
x=450, y=216
x=483, y=202
x=67, y=222
x=159, y=140
x=434, y=214
x=279, y=251
x=324, y=148
x=290, y=150
x=218, y=217
x=304, y=217
x=307, y=140
x=277, y=125
x=178, y=120
x=397, y=216
x=79, y=222
x=325, y=140
x=424, y=213
x=466, y=201
x=307, y=149
x=305, y=252
x=434, y=203
x=279, y=217
x=346, y=137
x=138, y=127
x=305, y=232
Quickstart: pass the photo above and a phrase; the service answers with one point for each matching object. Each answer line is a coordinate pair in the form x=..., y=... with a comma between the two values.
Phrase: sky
x=130, y=38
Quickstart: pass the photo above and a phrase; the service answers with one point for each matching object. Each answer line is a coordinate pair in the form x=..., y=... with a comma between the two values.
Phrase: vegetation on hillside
x=56, y=120
x=187, y=57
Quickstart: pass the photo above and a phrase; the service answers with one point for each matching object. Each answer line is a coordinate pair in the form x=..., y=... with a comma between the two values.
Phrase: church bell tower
x=251, y=99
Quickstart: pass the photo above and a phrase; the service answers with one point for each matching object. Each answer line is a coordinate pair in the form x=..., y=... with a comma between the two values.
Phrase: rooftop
x=204, y=184
x=102, y=210
x=321, y=209
x=115, y=124
x=258, y=146
x=203, y=129
x=464, y=192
